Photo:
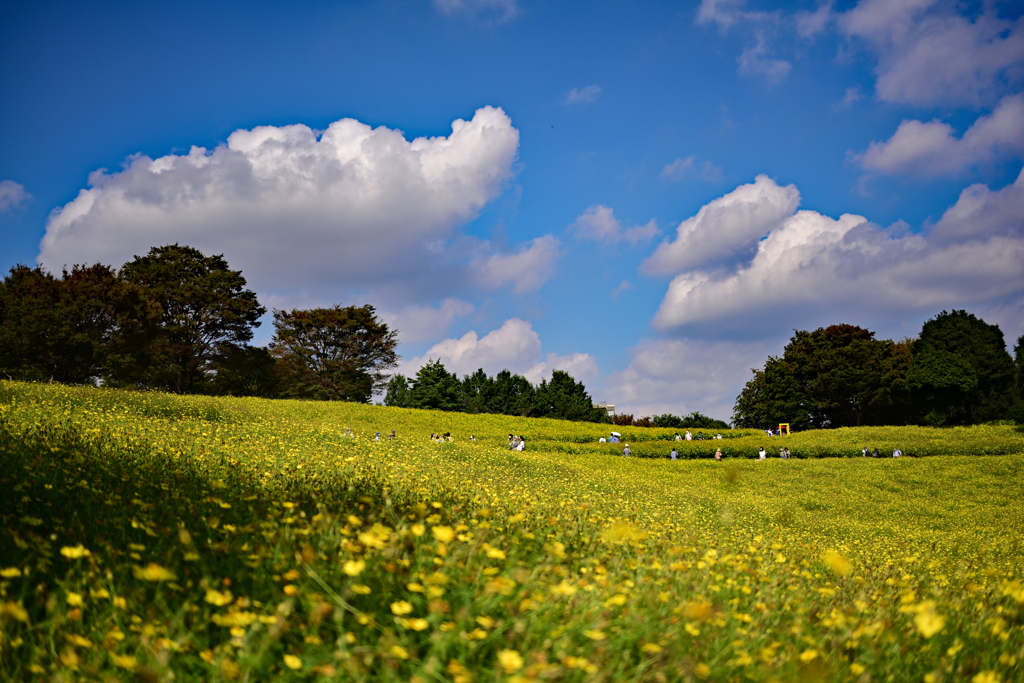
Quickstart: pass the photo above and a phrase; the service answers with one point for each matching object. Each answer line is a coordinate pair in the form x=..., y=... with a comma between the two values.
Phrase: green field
x=152, y=537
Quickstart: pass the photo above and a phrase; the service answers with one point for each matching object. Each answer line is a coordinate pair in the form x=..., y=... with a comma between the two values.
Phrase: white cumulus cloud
x=726, y=227
x=813, y=268
x=350, y=206
x=515, y=346
x=524, y=270
x=420, y=323
x=930, y=53
x=933, y=149
x=598, y=223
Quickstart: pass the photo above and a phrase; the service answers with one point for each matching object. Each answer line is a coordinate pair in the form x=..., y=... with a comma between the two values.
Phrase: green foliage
x=563, y=398
x=333, y=354
x=695, y=420
x=435, y=388
x=245, y=371
x=512, y=395
x=195, y=309
x=397, y=395
x=54, y=328
x=961, y=369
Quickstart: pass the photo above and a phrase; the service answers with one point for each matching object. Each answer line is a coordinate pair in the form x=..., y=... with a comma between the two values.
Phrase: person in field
x=626, y=452
x=674, y=455
x=897, y=453
x=718, y=454
x=602, y=439
x=761, y=455
x=689, y=436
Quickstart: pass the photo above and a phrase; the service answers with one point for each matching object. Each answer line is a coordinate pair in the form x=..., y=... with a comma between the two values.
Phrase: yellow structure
x=781, y=425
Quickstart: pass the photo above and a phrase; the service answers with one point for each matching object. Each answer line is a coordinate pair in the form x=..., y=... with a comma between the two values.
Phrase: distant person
x=787, y=454
x=392, y=435
x=472, y=438
x=874, y=453
x=718, y=454
x=613, y=439
x=782, y=453
x=602, y=439
x=674, y=455
x=689, y=436
x=678, y=438
x=864, y=452
x=377, y=438
x=719, y=435
x=522, y=444
x=761, y=455
x=626, y=452
x=897, y=453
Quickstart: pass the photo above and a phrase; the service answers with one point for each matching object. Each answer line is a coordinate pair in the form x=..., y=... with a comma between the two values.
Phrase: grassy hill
x=148, y=536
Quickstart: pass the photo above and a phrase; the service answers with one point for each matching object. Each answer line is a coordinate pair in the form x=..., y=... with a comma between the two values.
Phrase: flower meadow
x=151, y=537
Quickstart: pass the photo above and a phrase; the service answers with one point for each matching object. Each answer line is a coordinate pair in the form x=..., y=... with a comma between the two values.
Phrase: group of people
x=700, y=436
x=441, y=438
x=762, y=454
x=390, y=436
x=516, y=443
x=875, y=454
x=674, y=455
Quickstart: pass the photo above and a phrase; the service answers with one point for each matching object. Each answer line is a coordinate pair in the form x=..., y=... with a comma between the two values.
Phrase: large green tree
x=477, y=392
x=513, y=395
x=397, y=394
x=198, y=309
x=434, y=388
x=772, y=396
x=564, y=398
x=58, y=328
x=961, y=372
x=333, y=354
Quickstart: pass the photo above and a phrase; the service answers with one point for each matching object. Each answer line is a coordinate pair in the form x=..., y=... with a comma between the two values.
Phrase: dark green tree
x=245, y=371
x=1018, y=362
x=333, y=354
x=57, y=329
x=397, y=394
x=772, y=396
x=961, y=372
x=196, y=309
x=564, y=398
x=477, y=392
x=434, y=388
x=513, y=395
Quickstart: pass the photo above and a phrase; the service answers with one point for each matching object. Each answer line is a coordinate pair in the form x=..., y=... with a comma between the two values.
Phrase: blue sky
x=651, y=196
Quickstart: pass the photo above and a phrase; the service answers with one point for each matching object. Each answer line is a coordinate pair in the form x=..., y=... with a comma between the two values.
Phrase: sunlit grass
x=146, y=535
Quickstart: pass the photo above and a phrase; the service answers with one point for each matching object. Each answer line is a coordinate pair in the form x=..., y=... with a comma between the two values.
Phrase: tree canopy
x=333, y=354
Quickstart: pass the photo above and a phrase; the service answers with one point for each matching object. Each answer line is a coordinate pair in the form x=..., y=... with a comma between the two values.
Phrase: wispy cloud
x=12, y=196
x=582, y=95
x=684, y=169
x=598, y=223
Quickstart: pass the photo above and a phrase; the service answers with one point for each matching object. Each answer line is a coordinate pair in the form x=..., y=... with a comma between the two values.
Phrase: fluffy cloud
x=812, y=269
x=351, y=206
x=932, y=149
x=514, y=346
x=12, y=196
x=582, y=95
x=726, y=227
x=930, y=54
x=524, y=270
x=681, y=169
x=681, y=376
x=755, y=61
x=598, y=223
x=420, y=323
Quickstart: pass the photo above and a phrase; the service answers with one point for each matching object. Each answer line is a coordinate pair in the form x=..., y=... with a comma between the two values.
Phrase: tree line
x=956, y=372
x=180, y=321
x=435, y=388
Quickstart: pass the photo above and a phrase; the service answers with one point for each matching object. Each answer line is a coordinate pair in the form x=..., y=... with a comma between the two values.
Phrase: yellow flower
x=354, y=567
x=445, y=534
x=595, y=635
x=290, y=590
x=510, y=660
x=217, y=598
x=418, y=529
x=808, y=655
x=10, y=572
x=653, y=648
x=485, y=621
x=153, y=572
x=837, y=563
x=419, y=624
x=929, y=623
x=692, y=629
x=120, y=603
x=74, y=599
x=124, y=661
x=496, y=553
x=401, y=607
x=702, y=670
x=360, y=589
x=986, y=677
x=415, y=587
x=75, y=552
x=399, y=651
x=292, y=662
x=857, y=669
